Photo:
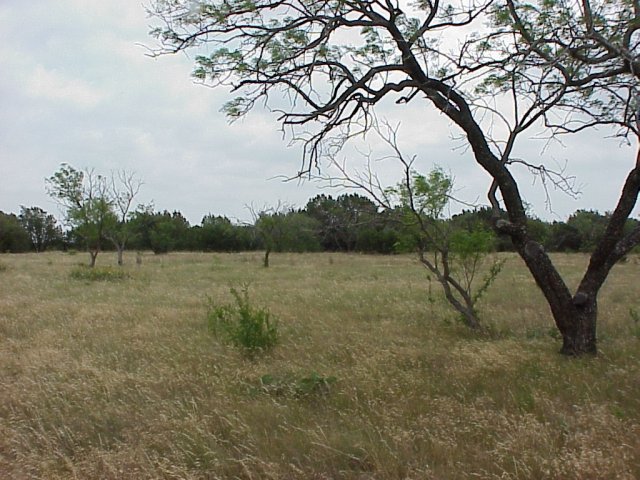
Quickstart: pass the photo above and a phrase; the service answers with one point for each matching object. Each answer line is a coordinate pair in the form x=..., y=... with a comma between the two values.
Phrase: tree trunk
x=574, y=315
x=266, y=258
x=579, y=333
x=470, y=319
x=120, y=250
x=93, y=254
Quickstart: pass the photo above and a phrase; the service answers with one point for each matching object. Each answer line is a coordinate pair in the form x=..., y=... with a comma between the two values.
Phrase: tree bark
x=580, y=337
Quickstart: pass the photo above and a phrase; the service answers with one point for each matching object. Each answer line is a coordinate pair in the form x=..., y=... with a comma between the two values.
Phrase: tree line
x=344, y=223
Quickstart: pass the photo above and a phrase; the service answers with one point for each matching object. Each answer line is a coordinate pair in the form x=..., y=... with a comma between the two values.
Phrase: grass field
x=370, y=380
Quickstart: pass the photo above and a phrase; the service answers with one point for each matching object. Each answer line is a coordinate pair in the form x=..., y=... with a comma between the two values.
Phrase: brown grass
x=121, y=379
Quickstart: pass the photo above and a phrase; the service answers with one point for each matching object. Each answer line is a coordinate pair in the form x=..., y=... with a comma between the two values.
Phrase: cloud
x=56, y=86
x=77, y=87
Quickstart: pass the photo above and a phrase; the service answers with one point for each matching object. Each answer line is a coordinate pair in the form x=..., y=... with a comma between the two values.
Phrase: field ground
x=123, y=380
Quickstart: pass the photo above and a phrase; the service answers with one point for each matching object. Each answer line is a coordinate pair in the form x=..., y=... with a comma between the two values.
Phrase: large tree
x=559, y=65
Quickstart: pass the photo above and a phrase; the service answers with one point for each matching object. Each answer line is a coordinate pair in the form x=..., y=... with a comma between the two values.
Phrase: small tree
x=454, y=257
x=41, y=227
x=123, y=188
x=89, y=208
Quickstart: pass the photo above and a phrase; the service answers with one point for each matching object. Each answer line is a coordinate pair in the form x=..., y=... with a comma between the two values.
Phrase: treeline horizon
x=346, y=223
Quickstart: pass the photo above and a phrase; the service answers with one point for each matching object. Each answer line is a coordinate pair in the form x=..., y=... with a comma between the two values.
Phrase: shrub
x=98, y=274
x=249, y=328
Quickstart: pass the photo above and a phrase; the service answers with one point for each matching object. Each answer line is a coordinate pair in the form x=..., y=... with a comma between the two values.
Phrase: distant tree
x=590, y=226
x=343, y=222
x=168, y=231
x=89, y=208
x=13, y=237
x=381, y=236
x=217, y=233
x=281, y=229
x=123, y=187
x=41, y=227
x=270, y=228
x=324, y=209
x=163, y=237
x=141, y=223
x=563, y=238
x=299, y=234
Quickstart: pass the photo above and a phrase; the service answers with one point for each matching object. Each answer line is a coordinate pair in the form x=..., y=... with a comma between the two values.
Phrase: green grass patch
x=99, y=274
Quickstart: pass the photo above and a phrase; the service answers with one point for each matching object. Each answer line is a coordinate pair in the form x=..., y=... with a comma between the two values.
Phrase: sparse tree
x=454, y=257
x=420, y=204
x=88, y=207
x=558, y=65
x=122, y=189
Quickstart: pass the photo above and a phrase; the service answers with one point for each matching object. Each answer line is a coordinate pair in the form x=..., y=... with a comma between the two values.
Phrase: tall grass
x=369, y=379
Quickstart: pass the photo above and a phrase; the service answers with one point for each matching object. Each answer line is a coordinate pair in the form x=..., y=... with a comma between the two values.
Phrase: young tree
x=455, y=257
x=89, y=209
x=122, y=189
x=559, y=65
x=41, y=227
x=270, y=227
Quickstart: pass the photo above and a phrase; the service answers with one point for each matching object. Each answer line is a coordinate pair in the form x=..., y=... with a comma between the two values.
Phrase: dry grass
x=121, y=379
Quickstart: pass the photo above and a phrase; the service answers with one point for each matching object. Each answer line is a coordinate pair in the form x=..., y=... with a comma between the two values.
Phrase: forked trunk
x=574, y=315
x=470, y=319
x=93, y=254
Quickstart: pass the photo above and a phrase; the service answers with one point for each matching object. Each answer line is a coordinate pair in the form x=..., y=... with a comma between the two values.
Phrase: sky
x=77, y=87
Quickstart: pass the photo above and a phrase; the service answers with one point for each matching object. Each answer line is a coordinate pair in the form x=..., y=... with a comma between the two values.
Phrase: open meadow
x=373, y=377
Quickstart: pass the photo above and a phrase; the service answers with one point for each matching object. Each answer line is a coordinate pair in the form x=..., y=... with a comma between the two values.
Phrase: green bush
x=251, y=329
x=98, y=274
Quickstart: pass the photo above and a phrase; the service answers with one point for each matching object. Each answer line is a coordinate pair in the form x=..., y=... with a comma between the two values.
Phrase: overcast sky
x=77, y=87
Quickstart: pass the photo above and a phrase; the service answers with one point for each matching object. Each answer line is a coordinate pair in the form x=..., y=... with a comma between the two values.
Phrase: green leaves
x=251, y=329
x=467, y=244
x=426, y=195
x=66, y=185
